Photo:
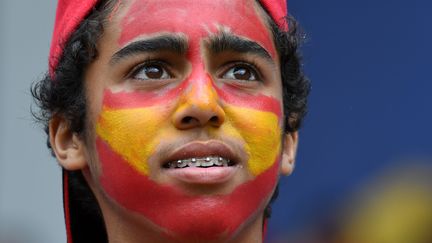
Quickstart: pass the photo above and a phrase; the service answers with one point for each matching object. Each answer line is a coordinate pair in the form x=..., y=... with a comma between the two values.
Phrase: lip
x=198, y=175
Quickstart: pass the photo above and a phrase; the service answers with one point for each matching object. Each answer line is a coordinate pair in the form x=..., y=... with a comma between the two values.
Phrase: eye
x=241, y=72
x=152, y=70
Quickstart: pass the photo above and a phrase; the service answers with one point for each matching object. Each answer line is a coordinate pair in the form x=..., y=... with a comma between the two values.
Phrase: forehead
x=195, y=19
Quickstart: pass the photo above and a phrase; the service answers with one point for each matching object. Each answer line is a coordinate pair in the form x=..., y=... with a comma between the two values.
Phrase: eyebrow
x=224, y=41
x=173, y=43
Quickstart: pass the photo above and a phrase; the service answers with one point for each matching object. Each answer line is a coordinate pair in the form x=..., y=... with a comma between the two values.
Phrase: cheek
x=131, y=133
x=262, y=135
x=132, y=124
x=255, y=119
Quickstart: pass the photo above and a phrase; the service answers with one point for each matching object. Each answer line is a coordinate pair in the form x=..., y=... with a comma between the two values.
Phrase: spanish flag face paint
x=221, y=109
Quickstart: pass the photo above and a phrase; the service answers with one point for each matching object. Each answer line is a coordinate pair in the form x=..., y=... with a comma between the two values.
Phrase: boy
x=172, y=119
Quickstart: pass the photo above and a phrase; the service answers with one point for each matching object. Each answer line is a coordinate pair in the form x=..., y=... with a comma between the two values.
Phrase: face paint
x=126, y=139
x=174, y=16
x=261, y=132
x=132, y=126
x=124, y=115
x=260, y=102
x=180, y=215
x=131, y=100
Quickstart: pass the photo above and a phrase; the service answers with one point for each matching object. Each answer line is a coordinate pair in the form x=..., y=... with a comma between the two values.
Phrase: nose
x=199, y=106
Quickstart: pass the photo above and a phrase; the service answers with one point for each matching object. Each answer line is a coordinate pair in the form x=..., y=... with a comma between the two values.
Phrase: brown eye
x=151, y=71
x=241, y=72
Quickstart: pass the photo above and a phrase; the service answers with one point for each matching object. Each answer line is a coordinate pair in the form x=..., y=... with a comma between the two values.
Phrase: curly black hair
x=63, y=94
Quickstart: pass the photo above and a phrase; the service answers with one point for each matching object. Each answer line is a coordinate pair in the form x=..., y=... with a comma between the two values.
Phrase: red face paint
x=139, y=99
x=195, y=20
x=178, y=213
x=185, y=216
x=204, y=217
x=260, y=102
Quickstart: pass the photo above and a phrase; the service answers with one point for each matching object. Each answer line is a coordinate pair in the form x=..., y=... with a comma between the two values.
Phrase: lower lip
x=199, y=175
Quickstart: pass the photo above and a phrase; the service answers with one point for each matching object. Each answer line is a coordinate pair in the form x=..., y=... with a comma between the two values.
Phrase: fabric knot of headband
x=70, y=13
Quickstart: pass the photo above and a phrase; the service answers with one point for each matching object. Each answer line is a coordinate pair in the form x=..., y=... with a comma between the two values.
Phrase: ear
x=289, y=151
x=68, y=147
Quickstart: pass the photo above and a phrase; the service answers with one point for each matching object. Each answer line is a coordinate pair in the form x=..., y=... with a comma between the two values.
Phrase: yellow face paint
x=261, y=133
x=135, y=133
x=131, y=133
x=132, y=128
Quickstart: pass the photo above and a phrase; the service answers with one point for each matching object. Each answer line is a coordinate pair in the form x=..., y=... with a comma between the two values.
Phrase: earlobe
x=289, y=151
x=67, y=146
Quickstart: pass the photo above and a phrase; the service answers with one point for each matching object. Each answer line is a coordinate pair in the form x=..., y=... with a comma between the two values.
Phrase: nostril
x=214, y=119
x=187, y=119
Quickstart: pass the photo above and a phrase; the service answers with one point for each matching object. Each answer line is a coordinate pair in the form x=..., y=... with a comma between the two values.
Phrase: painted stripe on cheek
x=261, y=132
x=140, y=99
x=131, y=133
x=258, y=102
x=257, y=120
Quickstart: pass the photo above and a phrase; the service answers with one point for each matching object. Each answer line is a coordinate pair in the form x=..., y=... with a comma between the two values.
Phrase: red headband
x=70, y=13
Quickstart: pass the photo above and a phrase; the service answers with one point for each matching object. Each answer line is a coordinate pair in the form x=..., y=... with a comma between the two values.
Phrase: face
x=185, y=115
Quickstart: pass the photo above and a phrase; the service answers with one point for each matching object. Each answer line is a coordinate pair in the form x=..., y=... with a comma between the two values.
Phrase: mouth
x=202, y=163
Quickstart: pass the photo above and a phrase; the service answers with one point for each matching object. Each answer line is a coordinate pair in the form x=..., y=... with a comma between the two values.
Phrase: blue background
x=370, y=105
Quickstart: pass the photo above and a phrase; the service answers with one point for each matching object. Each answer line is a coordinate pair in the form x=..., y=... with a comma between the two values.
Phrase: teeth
x=207, y=162
x=181, y=163
x=219, y=161
x=199, y=162
x=193, y=163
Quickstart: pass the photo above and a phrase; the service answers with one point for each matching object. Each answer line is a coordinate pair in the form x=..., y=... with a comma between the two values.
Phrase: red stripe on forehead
x=195, y=19
x=204, y=217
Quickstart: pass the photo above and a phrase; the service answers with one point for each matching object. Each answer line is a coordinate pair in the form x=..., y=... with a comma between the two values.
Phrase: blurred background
x=364, y=166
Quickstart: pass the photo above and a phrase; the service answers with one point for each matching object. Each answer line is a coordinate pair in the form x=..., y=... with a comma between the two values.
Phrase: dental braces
x=200, y=162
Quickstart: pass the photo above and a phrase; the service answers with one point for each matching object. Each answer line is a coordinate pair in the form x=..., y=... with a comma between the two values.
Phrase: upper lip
x=200, y=149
